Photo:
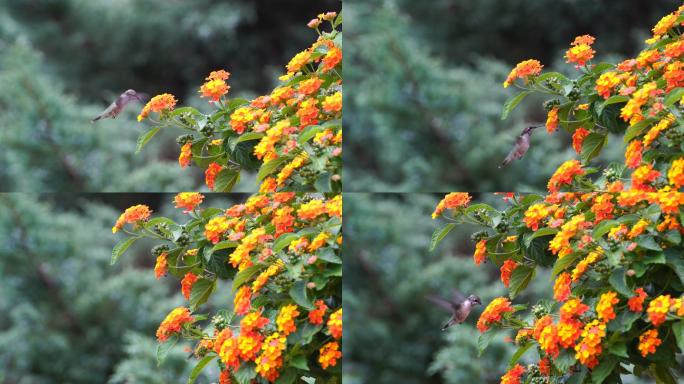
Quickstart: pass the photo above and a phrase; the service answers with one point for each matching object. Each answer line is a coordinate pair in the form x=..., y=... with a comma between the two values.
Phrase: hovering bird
x=118, y=105
x=459, y=306
x=522, y=144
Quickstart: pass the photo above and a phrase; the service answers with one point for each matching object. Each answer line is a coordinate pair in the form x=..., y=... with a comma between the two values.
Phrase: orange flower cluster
x=506, y=270
x=493, y=313
x=452, y=201
x=316, y=315
x=578, y=138
x=132, y=215
x=658, y=309
x=186, y=284
x=270, y=360
x=185, y=156
x=215, y=228
x=173, y=323
x=188, y=200
x=211, y=173
x=329, y=354
x=243, y=300
x=589, y=348
x=604, y=307
x=335, y=324
x=564, y=175
x=480, y=252
x=581, y=51
x=161, y=266
x=285, y=319
x=552, y=120
x=513, y=375
x=158, y=104
x=524, y=70
x=215, y=86
x=561, y=288
x=636, y=303
x=648, y=341
x=263, y=277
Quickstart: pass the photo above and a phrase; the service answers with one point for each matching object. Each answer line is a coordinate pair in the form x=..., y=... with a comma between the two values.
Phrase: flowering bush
x=292, y=137
x=282, y=253
x=612, y=240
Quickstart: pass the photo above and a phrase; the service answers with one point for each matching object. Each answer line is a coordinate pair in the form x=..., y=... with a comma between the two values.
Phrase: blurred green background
x=393, y=332
x=424, y=81
x=66, y=315
x=63, y=61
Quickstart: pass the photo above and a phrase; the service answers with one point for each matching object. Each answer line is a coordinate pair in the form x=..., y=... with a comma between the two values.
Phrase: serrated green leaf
x=601, y=371
x=519, y=353
x=618, y=281
x=637, y=129
x=299, y=295
x=144, y=138
x=270, y=166
x=199, y=367
x=678, y=330
x=513, y=102
x=540, y=233
x=200, y=293
x=245, y=373
x=562, y=263
x=674, y=96
x=309, y=132
x=603, y=227
x=520, y=278
x=283, y=241
x=121, y=247
x=226, y=180
x=244, y=275
x=483, y=341
x=299, y=361
x=439, y=234
x=611, y=100
x=164, y=348
x=592, y=145
x=619, y=349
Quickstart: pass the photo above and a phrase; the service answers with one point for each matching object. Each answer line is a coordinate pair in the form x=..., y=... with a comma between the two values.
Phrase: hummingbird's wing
x=143, y=97
x=106, y=113
x=457, y=299
x=440, y=302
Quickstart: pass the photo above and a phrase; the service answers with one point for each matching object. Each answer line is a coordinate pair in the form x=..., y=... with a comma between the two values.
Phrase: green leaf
x=235, y=103
x=244, y=276
x=592, y=145
x=540, y=233
x=270, y=166
x=601, y=371
x=121, y=247
x=164, y=348
x=563, y=262
x=483, y=341
x=513, y=102
x=565, y=360
x=604, y=227
x=309, y=132
x=283, y=241
x=329, y=256
x=551, y=75
x=226, y=180
x=648, y=242
x=636, y=129
x=618, y=281
x=519, y=353
x=611, y=100
x=674, y=96
x=288, y=376
x=619, y=349
x=678, y=330
x=578, y=378
x=299, y=295
x=299, y=361
x=675, y=262
x=245, y=373
x=520, y=278
x=249, y=136
x=662, y=374
x=144, y=138
x=200, y=293
x=439, y=234
x=226, y=244
x=199, y=367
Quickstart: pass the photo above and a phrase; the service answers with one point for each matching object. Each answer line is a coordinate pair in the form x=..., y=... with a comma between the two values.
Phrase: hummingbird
x=459, y=305
x=118, y=105
x=522, y=144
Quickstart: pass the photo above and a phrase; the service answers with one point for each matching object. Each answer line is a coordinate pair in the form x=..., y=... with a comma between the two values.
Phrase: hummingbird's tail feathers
x=504, y=163
x=446, y=325
x=96, y=119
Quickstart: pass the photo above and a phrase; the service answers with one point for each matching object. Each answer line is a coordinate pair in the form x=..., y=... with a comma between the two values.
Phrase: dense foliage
x=64, y=61
x=66, y=316
x=614, y=241
x=426, y=91
x=282, y=253
x=293, y=136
